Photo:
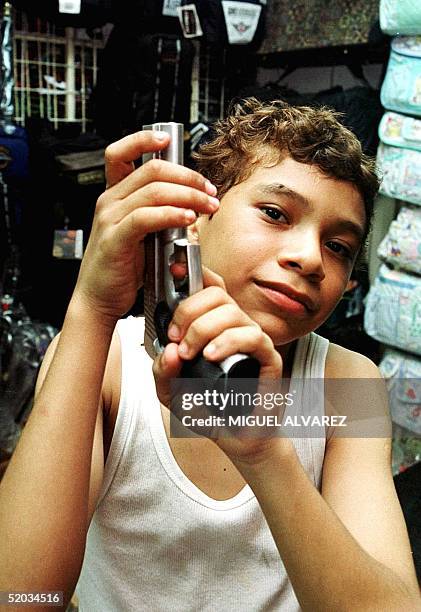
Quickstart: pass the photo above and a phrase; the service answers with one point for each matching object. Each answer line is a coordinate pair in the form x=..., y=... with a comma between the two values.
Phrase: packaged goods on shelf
x=401, y=89
x=401, y=247
x=400, y=173
x=403, y=375
x=400, y=17
x=393, y=310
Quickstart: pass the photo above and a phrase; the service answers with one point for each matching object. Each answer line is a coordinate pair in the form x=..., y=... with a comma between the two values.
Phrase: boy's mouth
x=287, y=297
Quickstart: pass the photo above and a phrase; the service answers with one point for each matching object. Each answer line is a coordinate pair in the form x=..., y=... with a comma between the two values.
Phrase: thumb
x=166, y=366
x=211, y=278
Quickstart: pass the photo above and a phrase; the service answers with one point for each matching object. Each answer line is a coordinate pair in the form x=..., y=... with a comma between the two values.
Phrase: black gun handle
x=162, y=318
x=223, y=379
x=239, y=366
x=199, y=367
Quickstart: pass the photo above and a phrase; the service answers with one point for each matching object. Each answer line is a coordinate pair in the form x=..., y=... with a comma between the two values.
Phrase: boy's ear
x=193, y=231
x=351, y=284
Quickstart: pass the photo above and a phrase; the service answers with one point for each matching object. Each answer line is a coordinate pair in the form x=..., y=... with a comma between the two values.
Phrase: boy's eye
x=277, y=215
x=274, y=213
x=339, y=248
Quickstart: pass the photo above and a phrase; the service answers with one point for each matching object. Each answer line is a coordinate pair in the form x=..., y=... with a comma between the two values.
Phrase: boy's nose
x=303, y=254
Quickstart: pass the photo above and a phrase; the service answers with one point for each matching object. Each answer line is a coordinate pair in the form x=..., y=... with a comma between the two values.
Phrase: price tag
x=241, y=19
x=69, y=6
x=189, y=20
x=170, y=8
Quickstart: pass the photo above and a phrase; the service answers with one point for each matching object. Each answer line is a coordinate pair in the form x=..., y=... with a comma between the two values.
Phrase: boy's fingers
x=190, y=309
x=120, y=155
x=134, y=227
x=165, y=367
x=206, y=326
x=160, y=170
x=251, y=341
x=168, y=363
x=162, y=193
x=117, y=171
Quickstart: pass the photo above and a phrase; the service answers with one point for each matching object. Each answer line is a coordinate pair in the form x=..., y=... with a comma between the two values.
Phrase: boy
x=200, y=524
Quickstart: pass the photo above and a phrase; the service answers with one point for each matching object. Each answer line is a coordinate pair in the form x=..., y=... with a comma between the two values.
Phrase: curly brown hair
x=256, y=132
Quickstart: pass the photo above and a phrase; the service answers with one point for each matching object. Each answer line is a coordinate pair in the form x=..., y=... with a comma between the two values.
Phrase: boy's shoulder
x=132, y=328
x=112, y=381
x=344, y=363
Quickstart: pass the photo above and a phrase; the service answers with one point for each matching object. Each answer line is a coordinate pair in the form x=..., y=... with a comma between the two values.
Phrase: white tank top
x=156, y=541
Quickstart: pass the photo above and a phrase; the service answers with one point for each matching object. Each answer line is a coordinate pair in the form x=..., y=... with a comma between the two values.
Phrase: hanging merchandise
x=148, y=16
x=403, y=375
x=401, y=89
x=143, y=78
x=67, y=176
x=23, y=343
x=400, y=17
x=13, y=186
x=401, y=247
x=406, y=455
x=393, y=310
x=223, y=23
x=399, y=157
x=13, y=148
x=400, y=131
x=400, y=172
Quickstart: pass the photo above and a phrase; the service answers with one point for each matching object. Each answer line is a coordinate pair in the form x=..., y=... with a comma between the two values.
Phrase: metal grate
x=55, y=70
x=208, y=85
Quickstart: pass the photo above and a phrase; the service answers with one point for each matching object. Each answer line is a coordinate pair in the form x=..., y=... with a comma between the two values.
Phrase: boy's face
x=287, y=227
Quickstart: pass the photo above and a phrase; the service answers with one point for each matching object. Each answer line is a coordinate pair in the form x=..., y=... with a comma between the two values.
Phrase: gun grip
x=162, y=318
x=199, y=367
x=248, y=368
x=239, y=366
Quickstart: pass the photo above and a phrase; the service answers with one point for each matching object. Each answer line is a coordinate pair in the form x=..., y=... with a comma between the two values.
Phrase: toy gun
x=162, y=292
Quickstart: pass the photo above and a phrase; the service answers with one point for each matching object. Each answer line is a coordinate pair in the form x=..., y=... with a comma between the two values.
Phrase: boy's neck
x=287, y=352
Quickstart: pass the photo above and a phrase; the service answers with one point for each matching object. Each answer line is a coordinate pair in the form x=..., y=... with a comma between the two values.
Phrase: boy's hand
x=154, y=197
x=212, y=318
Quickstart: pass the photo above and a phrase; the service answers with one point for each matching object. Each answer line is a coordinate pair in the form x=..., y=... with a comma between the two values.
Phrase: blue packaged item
x=402, y=373
x=400, y=173
x=401, y=89
x=400, y=131
x=393, y=310
x=399, y=157
x=400, y=16
x=401, y=247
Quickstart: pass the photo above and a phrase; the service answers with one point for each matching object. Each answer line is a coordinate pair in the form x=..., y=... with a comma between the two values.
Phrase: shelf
x=326, y=56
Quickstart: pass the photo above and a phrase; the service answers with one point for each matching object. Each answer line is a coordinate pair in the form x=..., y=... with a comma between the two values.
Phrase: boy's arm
x=44, y=507
x=348, y=548
x=44, y=495
x=336, y=548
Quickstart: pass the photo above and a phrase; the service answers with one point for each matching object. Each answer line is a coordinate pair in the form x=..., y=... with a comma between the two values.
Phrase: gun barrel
x=156, y=267
x=174, y=152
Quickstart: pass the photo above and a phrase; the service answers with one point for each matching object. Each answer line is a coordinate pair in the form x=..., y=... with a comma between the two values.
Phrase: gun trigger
x=158, y=348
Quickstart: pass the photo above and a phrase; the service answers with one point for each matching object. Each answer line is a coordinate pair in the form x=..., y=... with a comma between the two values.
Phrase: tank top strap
x=307, y=377
x=310, y=357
